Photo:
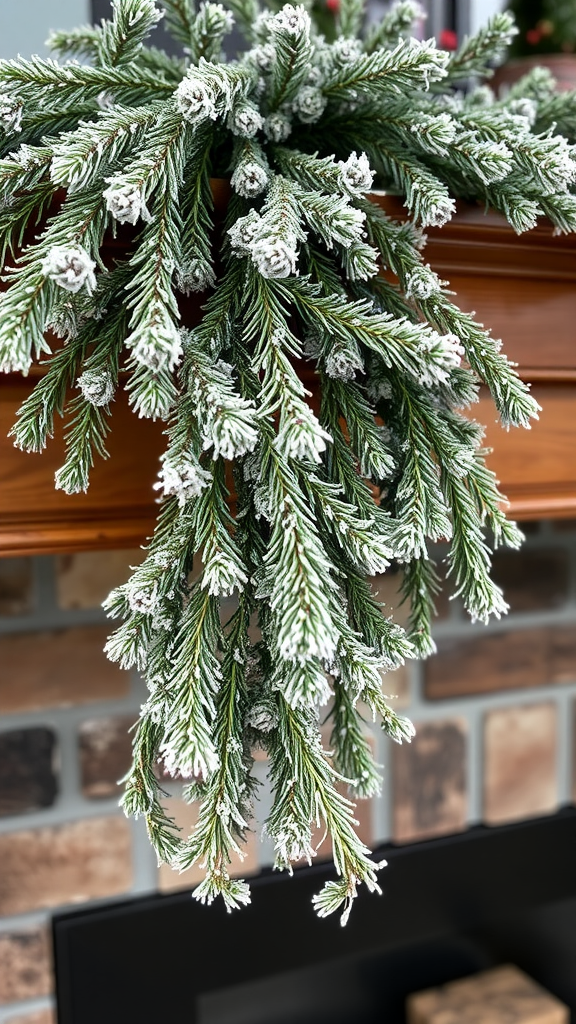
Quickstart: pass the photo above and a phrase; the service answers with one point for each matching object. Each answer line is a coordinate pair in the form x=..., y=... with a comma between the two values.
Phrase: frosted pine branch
x=286, y=495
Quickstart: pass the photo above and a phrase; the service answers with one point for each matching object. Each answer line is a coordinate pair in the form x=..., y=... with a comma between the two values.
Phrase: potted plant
x=329, y=487
x=546, y=38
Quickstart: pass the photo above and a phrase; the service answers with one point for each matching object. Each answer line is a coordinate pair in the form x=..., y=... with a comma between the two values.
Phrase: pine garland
x=301, y=127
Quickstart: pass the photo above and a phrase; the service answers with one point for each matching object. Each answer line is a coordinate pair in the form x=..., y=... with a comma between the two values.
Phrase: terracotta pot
x=523, y=287
x=561, y=65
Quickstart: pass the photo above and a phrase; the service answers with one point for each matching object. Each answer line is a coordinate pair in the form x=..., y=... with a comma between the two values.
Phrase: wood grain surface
x=523, y=287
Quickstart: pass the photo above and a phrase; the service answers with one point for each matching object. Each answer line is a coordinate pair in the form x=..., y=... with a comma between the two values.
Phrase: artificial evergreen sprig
x=288, y=489
x=37, y=81
x=476, y=53
x=397, y=23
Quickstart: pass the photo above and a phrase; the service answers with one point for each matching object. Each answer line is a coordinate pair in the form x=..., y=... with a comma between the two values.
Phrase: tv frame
x=114, y=963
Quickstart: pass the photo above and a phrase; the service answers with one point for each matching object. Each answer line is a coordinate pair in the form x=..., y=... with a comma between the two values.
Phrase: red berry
x=533, y=36
x=448, y=39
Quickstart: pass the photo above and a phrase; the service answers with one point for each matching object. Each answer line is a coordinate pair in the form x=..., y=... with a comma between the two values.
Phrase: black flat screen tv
x=450, y=906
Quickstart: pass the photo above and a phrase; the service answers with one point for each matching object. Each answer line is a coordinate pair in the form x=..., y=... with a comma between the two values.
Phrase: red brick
x=442, y=601
x=386, y=588
x=68, y=863
x=84, y=579
x=25, y=965
x=562, y=654
x=28, y=780
x=532, y=579
x=15, y=586
x=520, y=763
x=507, y=660
x=429, y=782
x=46, y=1016
x=57, y=668
x=396, y=685
x=105, y=746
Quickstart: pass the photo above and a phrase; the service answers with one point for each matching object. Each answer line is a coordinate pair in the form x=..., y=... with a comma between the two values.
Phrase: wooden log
x=503, y=995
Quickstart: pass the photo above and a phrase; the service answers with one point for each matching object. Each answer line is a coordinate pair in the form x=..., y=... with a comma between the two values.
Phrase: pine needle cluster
x=114, y=132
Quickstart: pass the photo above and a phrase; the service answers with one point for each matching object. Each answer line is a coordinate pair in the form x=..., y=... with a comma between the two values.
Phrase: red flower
x=533, y=36
x=448, y=39
x=333, y=6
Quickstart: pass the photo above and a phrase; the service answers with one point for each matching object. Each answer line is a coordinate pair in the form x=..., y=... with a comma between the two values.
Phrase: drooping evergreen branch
x=63, y=252
x=340, y=474
x=304, y=786
x=74, y=83
x=225, y=810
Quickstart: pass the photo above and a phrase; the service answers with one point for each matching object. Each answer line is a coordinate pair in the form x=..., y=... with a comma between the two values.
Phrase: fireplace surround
x=450, y=906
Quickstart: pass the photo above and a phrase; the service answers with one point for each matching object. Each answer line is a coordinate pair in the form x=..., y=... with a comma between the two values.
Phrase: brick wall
x=495, y=712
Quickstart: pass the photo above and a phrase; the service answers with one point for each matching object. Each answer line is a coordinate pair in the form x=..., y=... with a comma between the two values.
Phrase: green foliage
x=350, y=17
x=39, y=81
x=293, y=52
x=180, y=19
x=376, y=75
x=123, y=148
x=476, y=53
x=209, y=27
x=77, y=42
x=396, y=24
x=120, y=39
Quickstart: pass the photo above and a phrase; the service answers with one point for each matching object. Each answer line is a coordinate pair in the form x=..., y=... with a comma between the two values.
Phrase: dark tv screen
x=450, y=907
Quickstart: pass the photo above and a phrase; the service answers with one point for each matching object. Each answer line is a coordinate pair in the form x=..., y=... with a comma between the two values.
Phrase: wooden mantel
x=523, y=287
x=119, y=509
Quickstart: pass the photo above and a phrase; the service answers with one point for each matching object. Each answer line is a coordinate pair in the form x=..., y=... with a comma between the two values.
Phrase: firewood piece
x=503, y=995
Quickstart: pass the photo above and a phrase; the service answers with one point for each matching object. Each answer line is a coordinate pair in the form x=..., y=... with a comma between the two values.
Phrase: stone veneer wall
x=495, y=713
